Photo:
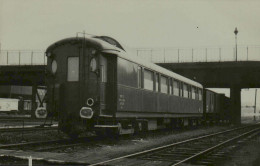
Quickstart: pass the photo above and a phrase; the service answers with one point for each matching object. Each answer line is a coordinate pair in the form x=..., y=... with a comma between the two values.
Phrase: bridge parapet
x=211, y=54
x=155, y=55
x=22, y=57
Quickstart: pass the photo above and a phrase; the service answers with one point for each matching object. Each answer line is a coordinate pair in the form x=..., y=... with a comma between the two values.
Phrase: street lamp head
x=236, y=31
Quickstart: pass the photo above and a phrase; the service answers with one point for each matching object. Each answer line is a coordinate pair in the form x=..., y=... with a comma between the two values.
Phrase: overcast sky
x=35, y=24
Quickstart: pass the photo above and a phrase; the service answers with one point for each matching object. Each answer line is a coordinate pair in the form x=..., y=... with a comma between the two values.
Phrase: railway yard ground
x=20, y=121
x=23, y=129
x=92, y=151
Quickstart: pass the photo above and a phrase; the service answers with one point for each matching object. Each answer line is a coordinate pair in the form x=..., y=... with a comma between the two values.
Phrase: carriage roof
x=105, y=47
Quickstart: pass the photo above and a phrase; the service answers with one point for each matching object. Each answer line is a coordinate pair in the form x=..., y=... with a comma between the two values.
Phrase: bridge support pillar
x=34, y=103
x=235, y=96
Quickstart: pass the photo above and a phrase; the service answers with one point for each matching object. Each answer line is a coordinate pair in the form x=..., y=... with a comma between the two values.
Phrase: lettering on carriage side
x=121, y=101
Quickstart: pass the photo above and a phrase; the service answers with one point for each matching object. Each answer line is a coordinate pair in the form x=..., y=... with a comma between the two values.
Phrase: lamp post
x=236, y=32
x=255, y=103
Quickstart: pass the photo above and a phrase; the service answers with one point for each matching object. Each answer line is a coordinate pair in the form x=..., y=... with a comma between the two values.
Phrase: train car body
x=93, y=84
x=225, y=111
x=217, y=107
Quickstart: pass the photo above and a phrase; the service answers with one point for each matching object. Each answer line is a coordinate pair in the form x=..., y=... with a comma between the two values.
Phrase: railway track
x=50, y=144
x=31, y=128
x=58, y=144
x=192, y=151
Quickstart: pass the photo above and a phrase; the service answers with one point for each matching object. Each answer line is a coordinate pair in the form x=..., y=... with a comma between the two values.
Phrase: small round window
x=54, y=66
x=93, y=64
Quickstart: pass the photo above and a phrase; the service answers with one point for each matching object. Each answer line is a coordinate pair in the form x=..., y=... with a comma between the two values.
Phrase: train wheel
x=112, y=133
x=101, y=133
x=145, y=126
x=137, y=128
x=108, y=132
x=180, y=123
x=73, y=133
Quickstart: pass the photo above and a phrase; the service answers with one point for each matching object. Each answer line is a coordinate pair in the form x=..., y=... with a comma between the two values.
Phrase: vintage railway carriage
x=216, y=107
x=225, y=112
x=210, y=109
x=93, y=84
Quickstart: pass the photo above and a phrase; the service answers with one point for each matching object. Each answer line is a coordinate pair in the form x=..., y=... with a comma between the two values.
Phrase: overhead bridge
x=233, y=75
x=26, y=67
x=240, y=74
x=23, y=68
x=23, y=75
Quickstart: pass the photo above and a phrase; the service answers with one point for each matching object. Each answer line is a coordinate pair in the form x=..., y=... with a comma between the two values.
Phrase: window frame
x=187, y=90
x=67, y=73
x=157, y=82
x=152, y=74
x=190, y=91
x=167, y=84
x=193, y=92
x=139, y=77
x=170, y=86
x=200, y=96
x=178, y=87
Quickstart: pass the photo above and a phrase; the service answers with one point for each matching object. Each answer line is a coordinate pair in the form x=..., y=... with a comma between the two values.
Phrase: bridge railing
x=212, y=54
x=156, y=55
x=22, y=57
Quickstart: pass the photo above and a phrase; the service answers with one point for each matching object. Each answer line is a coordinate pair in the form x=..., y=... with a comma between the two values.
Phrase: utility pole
x=236, y=31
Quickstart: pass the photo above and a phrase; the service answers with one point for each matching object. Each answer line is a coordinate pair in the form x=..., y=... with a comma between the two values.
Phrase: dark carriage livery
x=95, y=85
x=216, y=107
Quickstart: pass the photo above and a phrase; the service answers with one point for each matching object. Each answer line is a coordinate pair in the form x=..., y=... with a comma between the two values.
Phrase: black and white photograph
x=130, y=82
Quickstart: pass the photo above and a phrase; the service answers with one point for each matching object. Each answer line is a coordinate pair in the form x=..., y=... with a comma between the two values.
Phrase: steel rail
x=59, y=147
x=170, y=145
x=19, y=129
x=215, y=147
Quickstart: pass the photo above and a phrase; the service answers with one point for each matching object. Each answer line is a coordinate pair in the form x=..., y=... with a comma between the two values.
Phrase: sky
x=36, y=24
x=30, y=24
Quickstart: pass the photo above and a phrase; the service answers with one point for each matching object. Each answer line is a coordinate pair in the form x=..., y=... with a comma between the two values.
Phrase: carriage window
x=190, y=91
x=189, y=95
x=139, y=77
x=103, y=68
x=193, y=93
x=196, y=94
x=73, y=69
x=148, y=80
x=157, y=82
x=200, y=94
x=176, y=91
x=212, y=98
x=181, y=89
x=164, y=84
x=185, y=91
x=103, y=74
x=170, y=86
